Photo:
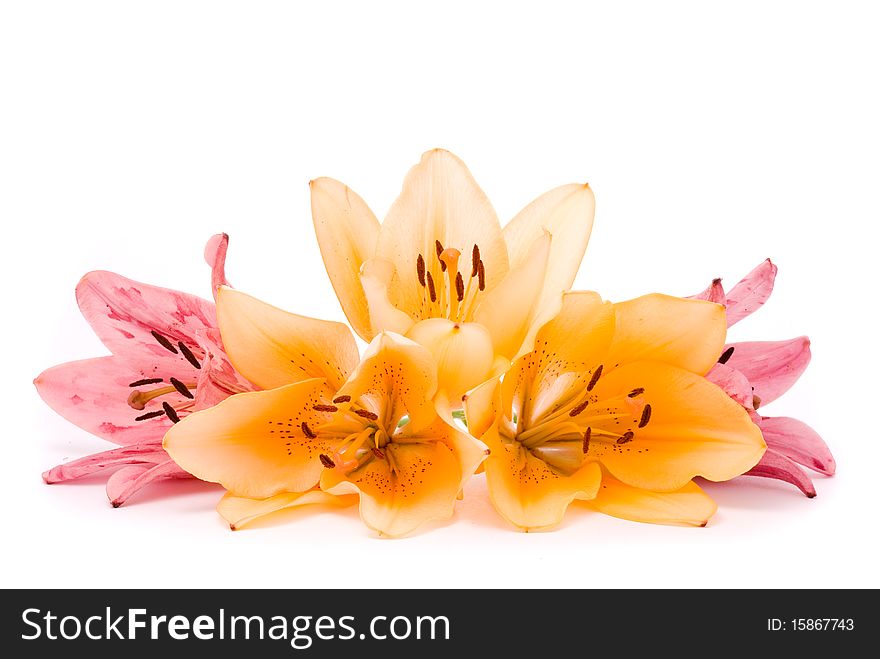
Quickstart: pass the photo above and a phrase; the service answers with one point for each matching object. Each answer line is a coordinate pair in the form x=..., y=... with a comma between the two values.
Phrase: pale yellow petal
x=526, y=491
x=694, y=429
x=684, y=333
x=254, y=444
x=482, y=407
x=347, y=233
x=440, y=201
x=414, y=483
x=688, y=506
x=396, y=377
x=239, y=511
x=463, y=353
x=376, y=276
x=567, y=214
x=271, y=347
x=510, y=310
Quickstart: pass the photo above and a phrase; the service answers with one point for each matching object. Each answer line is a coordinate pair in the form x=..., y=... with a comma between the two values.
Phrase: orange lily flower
x=366, y=428
x=611, y=408
x=441, y=271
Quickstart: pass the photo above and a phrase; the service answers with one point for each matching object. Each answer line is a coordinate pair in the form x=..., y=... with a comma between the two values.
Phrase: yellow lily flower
x=611, y=408
x=441, y=271
x=365, y=427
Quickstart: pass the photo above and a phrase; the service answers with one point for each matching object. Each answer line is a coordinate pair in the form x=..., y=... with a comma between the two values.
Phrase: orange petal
x=271, y=347
x=695, y=429
x=688, y=506
x=398, y=377
x=376, y=276
x=440, y=201
x=526, y=491
x=684, y=333
x=412, y=484
x=254, y=443
x=239, y=511
x=347, y=232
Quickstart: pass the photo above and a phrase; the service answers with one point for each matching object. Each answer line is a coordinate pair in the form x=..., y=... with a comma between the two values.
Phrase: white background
x=712, y=136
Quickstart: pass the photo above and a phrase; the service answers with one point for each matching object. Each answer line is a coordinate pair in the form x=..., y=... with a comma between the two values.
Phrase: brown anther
x=170, y=412
x=481, y=271
x=593, y=380
x=342, y=399
x=638, y=391
x=141, y=383
x=439, y=247
x=431, y=290
x=150, y=415
x=378, y=453
x=181, y=388
x=627, y=437
x=727, y=354
x=165, y=343
x=646, y=416
x=459, y=286
x=577, y=409
x=586, y=445
x=756, y=401
x=325, y=408
x=367, y=414
x=476, y=261
x=186, y=352
x=307, y=431
x=420, y=269
x=326, y=461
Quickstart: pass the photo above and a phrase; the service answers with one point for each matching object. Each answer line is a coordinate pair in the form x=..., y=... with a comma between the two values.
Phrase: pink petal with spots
x=143, y=323
x=735, y=384
x=94, y=393
x=215, y=255
x=797, y=441
x=772, y=367
x=149, y=454
x=714, y=293
x=129, y=480
x=777, y=466
x=751, y=292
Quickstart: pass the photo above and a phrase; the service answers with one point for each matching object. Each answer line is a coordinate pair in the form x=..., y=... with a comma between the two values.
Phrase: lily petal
x=415, y=483
x=399, y=378
x=93, y=394
x=376, y=276
x=688, y=334
x=126, y=482
x=254, y=444
x=271, y=347
x=440, y=201
x=695, y=429
x=777, y=466
x=526, y=491
x=347, y=233
x=566, y=213
x=218, y=378
x=127, y=316
x=215, y=255
x=772, y=367
x=688, y=506
x=735, y=384
x=751, y=293
x=239, y=511
x=512, y=310
x=148, y=454
x=714, y=293
x=797, y=441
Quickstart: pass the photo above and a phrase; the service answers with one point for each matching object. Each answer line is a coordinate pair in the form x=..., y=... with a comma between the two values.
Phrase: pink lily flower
x=167, y=361
x=758, y=372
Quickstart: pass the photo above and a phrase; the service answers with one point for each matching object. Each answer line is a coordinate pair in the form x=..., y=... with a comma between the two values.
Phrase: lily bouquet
x=479, y=358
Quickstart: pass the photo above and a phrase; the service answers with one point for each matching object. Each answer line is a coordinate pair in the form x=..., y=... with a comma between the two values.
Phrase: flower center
x=139, y=398
x=444, y=292
x=582, y=426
